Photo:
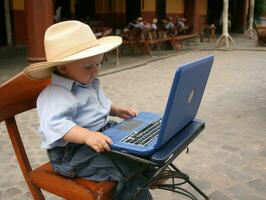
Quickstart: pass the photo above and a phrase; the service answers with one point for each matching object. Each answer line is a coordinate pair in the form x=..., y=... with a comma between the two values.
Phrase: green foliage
x=260, y=9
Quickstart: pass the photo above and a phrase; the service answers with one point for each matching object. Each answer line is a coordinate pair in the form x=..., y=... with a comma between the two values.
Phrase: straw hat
x=69, y=41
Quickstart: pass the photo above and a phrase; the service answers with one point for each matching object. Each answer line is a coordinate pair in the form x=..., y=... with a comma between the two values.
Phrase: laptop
x=147, y=132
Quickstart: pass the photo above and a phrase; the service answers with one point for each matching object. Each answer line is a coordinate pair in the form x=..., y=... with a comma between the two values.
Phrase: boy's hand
x=98, y=141
x=126, y=113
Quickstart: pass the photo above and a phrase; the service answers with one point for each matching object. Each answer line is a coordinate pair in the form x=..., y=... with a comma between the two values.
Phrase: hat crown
x=66, y=38
x=69, y=41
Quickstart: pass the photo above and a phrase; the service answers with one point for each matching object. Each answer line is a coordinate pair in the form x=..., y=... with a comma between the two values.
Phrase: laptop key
x=144, y=136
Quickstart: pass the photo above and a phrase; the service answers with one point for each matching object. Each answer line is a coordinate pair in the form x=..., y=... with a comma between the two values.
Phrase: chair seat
x=76, y=188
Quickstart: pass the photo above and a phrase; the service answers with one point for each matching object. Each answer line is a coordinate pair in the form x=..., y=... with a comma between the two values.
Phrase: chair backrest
x=19, y=94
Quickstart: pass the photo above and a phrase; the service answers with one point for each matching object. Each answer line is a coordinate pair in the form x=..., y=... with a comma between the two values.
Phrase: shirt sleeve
x=56, y=107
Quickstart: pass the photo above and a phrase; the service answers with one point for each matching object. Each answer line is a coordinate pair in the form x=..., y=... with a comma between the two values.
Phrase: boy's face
x=82, y=71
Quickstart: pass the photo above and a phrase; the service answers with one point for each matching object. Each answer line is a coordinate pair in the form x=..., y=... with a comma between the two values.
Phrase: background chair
x=18, y=95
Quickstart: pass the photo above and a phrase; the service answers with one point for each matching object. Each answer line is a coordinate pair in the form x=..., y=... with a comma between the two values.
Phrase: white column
x=251, y=15
x=225, y=17
x=251, y=32
x=225, y=38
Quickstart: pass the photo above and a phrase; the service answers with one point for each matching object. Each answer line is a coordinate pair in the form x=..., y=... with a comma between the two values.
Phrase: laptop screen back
x=185, y=97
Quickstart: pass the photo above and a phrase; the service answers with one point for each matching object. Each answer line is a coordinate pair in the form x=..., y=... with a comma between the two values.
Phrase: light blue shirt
x=66, y=103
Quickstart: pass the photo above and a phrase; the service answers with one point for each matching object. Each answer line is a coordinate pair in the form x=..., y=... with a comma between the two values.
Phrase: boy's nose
x=95, y=70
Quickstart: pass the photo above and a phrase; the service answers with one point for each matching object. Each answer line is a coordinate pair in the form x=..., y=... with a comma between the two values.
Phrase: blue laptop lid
x=185, y=97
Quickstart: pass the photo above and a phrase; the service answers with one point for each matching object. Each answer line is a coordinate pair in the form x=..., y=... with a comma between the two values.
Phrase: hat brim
x=42, y=70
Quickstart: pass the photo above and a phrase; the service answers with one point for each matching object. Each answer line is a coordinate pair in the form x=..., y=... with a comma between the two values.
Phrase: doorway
x=215, y=9
x=236, y=10
x=85, y=10
x=133, y=10
x=161, y=9
x=65, y=13
x=189, y=11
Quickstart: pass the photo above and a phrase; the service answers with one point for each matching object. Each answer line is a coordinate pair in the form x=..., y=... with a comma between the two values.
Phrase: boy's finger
x=132, y=113
x=106, y=146
x=102, y=147
x=108, y=140
x=97, y=149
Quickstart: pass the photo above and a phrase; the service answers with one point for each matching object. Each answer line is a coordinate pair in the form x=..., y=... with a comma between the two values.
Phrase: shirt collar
x=68, y=83
x=61, y=81
x=94, y=84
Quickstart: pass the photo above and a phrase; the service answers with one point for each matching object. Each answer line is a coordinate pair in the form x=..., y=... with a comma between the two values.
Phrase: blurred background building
x=16, y=15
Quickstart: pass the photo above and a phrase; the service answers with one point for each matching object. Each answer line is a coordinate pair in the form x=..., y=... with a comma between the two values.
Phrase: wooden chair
x=261, y=33
x=19, y=94
x=135, y=40
x=155, y=37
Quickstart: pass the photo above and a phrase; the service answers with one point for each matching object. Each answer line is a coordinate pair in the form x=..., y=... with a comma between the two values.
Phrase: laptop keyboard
x=146, y=135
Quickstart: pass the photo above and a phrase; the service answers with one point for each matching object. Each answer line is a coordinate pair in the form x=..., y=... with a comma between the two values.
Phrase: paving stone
x=249, y=197
x=236, y=174
x=53, y=198
x=263, y=153
x=238, y=189
x=13, y=191
x=223, y=155
x=202, y=184
x=24, y=196
x=217, y=195
x=236, y=161
x=6, y=184
x=251, y=170
x=230, y=172
x=258, y=184
x=230, y=148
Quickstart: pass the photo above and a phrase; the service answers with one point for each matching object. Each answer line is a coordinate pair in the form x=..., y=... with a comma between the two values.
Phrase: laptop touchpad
x=130, y=125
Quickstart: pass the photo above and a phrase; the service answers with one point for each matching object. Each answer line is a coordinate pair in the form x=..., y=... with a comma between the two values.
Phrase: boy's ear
x=61, y=69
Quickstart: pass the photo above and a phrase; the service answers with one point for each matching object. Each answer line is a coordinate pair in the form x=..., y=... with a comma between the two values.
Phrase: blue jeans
x=79, y=160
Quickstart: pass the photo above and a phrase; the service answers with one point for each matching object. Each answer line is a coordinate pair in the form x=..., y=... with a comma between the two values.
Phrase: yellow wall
x=174, y=6
x=148, y=5
x=203, y=7
x=18, y=4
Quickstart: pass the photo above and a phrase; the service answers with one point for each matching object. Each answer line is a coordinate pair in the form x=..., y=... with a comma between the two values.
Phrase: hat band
x=74, y=50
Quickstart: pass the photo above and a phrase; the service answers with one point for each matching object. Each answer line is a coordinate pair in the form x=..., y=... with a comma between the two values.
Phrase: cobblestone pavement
x=227, y=161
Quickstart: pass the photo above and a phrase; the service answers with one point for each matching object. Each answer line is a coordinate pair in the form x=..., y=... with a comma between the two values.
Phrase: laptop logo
x=191, y=95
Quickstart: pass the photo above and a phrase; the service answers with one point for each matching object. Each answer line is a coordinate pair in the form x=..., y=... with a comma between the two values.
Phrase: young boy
x=73, y=109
